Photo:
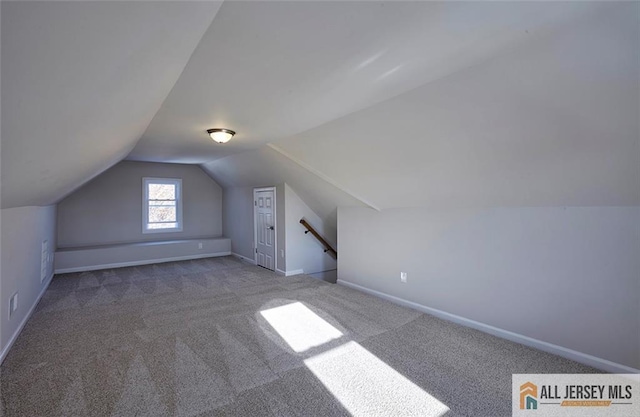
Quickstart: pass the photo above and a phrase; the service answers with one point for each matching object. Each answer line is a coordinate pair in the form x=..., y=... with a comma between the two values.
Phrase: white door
x=264, y=206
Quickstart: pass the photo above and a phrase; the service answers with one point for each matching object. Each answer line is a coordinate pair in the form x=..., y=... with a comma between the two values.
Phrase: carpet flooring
x=217, y=337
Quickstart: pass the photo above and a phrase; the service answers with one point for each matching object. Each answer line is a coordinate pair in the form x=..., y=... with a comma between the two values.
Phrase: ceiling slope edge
x=322, y=176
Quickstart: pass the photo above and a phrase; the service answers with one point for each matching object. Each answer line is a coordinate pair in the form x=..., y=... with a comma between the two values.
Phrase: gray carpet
x=206, y=338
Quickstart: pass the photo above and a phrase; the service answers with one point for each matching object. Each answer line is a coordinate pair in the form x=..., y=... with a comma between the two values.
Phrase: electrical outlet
x=282, y=253
x=200, y=245
x=403, y=277
x=13, y=304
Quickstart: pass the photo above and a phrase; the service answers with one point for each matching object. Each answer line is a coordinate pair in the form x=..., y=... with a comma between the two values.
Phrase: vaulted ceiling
x=388, y=104
x=552, y=123
x=80, y=83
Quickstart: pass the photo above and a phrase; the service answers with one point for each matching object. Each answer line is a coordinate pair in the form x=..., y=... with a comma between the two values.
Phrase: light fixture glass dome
x=221, y=135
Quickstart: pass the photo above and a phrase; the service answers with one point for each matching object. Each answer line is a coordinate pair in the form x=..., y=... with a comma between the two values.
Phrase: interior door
x=265, y=228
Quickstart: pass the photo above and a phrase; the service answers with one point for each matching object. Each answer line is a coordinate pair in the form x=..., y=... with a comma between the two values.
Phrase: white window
x=162, y=205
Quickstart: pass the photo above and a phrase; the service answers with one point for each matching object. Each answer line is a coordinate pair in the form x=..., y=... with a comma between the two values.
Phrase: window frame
x=177, y=182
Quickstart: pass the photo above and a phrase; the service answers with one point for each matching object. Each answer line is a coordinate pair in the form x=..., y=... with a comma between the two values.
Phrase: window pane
x=162, y=192
x=162, y=225
x=162, y=214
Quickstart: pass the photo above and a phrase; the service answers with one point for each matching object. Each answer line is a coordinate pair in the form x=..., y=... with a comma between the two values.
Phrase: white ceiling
x=552, y=123
x=400, y=103
x=80, y=83
x=269, y=70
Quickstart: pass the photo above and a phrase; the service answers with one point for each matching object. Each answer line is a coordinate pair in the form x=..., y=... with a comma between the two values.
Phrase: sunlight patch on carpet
x=300, y=327
x=366, y=386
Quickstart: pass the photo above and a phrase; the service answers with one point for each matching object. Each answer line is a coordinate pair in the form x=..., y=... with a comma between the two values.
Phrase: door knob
x=270, y=227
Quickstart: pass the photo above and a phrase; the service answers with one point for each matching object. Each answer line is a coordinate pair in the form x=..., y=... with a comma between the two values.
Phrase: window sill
x=174, y=230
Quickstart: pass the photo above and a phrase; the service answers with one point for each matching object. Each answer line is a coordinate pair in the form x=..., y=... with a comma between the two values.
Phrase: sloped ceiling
x=400, y=103
x=265, y=167
x=552, y=123
x=80, y=83
x=270, y=70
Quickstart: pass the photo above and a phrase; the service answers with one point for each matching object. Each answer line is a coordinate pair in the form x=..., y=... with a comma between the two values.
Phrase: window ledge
x=172, y=230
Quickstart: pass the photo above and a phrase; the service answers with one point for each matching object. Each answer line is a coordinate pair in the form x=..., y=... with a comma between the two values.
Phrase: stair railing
x=327, y=246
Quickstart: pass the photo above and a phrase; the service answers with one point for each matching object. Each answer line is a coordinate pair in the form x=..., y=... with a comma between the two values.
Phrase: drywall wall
x=295, y=251
x=91, y=258
x=237, y=219
x=304, y=252
x=553, y=122
x=108, y=210
x=569, y=276
x=239, y=173
x=23, y=231
x=265, y=166
x=281, y=256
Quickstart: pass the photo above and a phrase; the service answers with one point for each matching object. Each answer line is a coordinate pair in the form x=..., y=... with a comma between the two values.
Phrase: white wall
x=304, y=252
x=301, y=252
x=108, y=210
x=239, y=173
x=237, y=219
x=281, y=225
x=23, y=231
x=91, y=258
x=569, y=276
x=265, y=167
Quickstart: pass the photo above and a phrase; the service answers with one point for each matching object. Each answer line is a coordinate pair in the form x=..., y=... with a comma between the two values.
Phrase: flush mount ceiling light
x=221, y=135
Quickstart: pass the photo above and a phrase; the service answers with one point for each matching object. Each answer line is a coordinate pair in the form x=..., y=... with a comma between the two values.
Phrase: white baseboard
x=574, y=355
x=244, y=258
x=289, y=273
x=142, y=262
x=15, y=335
